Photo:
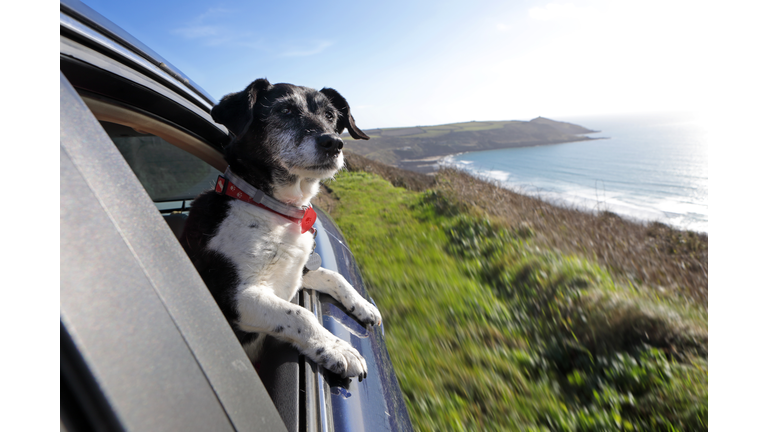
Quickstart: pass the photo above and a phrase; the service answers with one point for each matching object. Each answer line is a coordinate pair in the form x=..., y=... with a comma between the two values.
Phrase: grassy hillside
x=409, y=147
x=493, y=325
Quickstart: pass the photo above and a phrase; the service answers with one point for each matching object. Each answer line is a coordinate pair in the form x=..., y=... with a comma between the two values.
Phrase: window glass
x=167, y=172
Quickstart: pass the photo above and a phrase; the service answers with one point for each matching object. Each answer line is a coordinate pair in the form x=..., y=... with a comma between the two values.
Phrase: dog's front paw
x=341, y=358
x=367, y=314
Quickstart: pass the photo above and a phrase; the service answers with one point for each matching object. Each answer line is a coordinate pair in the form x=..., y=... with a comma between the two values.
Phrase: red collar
x=226, y=187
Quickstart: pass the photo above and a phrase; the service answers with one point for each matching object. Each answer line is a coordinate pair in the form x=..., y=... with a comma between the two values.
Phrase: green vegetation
x=421, y=131
x=490, y=328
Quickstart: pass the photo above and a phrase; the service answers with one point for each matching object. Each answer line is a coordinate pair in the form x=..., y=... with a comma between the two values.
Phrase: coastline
x=419, y=148
x=431, y=164
x=585, y=199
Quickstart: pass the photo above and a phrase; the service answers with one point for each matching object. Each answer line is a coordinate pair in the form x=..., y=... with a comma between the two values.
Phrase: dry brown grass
x=655, y=255
x=672, y=261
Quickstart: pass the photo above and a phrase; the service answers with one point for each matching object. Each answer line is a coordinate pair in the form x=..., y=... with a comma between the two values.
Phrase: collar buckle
x=305, y=218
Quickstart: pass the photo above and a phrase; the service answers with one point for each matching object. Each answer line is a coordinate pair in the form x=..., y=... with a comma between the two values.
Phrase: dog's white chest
x=266, y=249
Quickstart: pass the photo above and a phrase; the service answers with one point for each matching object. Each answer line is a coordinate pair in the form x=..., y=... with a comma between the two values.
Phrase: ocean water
x=650, y=167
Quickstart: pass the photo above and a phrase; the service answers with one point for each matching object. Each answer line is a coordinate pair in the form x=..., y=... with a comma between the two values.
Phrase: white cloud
x=205, y=27
x=211, y=35
x=315, y=47
x=194, y=32
x=212, y=28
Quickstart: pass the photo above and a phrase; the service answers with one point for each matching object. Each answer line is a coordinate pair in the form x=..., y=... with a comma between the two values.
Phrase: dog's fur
x=252, y=260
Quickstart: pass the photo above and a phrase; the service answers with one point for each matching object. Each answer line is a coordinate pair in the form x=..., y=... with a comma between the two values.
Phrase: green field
x=490, y=330
x=434, y=131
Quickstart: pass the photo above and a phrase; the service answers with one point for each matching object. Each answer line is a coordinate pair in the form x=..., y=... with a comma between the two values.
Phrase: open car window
x=173, y=165
x=167, y=172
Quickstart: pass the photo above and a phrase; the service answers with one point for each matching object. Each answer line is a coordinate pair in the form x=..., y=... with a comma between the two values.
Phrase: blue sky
x=404, y=63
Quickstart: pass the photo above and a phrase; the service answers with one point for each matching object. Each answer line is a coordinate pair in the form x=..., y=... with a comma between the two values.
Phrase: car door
x=144, y=346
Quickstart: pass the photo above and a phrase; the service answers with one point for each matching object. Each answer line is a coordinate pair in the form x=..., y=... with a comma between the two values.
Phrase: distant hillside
x=418, y=148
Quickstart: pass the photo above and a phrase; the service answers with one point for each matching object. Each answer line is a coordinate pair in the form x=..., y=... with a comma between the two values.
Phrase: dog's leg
x=334, y=284
x=261, y=311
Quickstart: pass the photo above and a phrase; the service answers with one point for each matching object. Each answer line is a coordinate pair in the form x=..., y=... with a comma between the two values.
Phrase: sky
x=407, y=63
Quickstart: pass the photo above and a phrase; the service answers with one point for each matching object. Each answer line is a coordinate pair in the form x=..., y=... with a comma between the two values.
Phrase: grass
x=425, y=294
x=491, y=328
x=661, y=260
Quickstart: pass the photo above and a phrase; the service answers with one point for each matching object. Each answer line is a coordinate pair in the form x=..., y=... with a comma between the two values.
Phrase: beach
x=651, y=168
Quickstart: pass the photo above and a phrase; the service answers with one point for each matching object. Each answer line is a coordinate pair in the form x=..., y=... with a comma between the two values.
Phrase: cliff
x=418, y=148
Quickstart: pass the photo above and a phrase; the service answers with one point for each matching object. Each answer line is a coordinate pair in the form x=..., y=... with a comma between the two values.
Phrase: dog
x=251, y=237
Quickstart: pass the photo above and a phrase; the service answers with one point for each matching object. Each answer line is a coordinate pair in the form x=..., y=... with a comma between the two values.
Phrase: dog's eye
x=285, y=111
x=329, y=115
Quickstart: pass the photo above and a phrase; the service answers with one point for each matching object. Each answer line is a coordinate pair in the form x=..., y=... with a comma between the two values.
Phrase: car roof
x=85, y=14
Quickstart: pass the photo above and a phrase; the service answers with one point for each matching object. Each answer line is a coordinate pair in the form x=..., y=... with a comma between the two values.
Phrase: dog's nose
x=330, y=142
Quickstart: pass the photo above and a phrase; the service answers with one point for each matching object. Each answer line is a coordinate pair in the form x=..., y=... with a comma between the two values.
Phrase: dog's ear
x=346, y=120
x=235, y=110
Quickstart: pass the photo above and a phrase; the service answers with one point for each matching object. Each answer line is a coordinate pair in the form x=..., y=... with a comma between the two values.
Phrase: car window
x=167, y=172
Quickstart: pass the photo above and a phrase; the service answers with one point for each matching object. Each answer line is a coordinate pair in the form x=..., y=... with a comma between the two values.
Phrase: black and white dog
x=251, y=237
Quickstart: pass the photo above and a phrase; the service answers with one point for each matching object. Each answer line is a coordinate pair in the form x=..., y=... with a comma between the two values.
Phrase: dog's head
x=287, y=128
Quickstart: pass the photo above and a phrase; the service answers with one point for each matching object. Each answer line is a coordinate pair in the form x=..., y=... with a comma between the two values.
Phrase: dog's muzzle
x=330, y=143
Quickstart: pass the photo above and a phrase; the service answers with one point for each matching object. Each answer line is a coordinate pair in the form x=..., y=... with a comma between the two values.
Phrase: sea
x=645, y=167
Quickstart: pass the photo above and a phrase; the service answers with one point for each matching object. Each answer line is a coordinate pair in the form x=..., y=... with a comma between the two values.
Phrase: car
x=143, y=344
